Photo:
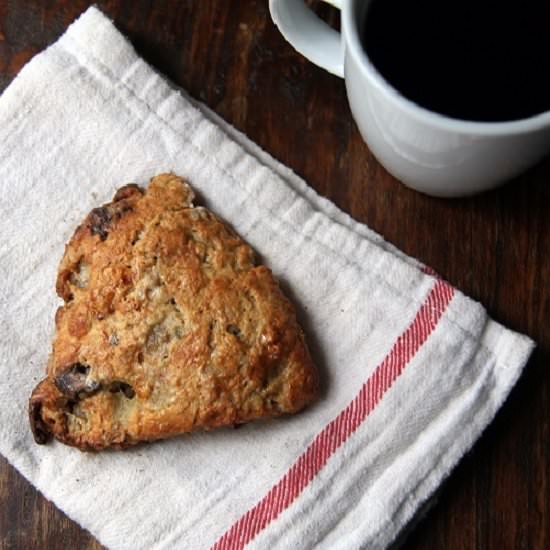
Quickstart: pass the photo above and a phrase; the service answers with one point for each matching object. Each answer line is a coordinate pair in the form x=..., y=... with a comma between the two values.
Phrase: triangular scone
x=167, y=327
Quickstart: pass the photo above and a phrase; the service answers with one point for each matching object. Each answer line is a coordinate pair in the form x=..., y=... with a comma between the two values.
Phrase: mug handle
x=308, y=34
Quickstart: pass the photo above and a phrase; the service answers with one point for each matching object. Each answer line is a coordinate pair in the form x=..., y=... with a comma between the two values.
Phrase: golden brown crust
x=167, y=327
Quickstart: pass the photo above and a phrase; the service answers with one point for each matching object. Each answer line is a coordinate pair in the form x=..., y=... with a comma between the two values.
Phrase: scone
x=167, y=327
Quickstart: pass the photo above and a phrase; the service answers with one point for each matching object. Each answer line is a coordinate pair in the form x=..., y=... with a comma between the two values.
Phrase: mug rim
x=350, y=29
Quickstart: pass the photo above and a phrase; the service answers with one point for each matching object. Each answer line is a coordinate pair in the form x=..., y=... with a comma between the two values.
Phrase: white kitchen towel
x=412, y=369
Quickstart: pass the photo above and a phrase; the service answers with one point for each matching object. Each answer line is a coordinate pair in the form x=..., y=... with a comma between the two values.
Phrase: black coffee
x=475, y=60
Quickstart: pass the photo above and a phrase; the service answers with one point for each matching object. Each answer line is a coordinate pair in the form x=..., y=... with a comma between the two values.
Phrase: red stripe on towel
x=336, y=432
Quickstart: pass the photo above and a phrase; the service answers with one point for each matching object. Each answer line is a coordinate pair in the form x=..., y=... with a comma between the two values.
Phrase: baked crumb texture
x=167, y=327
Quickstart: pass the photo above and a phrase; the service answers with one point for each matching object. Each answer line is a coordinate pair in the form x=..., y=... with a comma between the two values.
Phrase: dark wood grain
x=495, y=247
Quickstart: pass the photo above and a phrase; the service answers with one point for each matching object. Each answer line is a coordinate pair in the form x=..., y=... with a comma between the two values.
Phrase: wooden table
x=495, y=247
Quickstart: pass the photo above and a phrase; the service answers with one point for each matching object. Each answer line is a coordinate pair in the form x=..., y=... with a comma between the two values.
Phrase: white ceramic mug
x=427, y=151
